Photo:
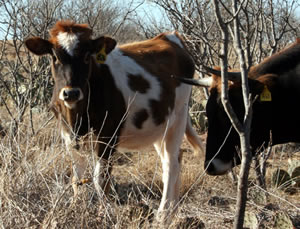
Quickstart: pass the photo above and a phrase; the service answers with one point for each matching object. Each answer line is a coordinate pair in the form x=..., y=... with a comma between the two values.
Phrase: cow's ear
x=269, y=80
x=39, y=46
x=265, y=81
x=107, y=44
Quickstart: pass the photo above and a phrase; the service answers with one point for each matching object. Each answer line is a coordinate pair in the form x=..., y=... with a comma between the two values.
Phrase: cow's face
x=222, y=138
x=223, y=142
x=72, y=63
x=71, y=75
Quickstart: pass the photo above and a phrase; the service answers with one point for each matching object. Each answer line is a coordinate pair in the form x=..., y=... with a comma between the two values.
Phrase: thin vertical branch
x=243, y=129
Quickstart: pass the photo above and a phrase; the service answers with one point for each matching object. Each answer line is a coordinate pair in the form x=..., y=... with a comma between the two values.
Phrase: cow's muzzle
x=217, y=167
x=70, y=96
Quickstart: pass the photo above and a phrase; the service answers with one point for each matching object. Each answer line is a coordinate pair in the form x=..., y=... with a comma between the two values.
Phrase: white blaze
x=68, y=41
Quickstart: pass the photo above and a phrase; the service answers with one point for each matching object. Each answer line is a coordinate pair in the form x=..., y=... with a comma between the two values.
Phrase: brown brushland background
x=35, y=169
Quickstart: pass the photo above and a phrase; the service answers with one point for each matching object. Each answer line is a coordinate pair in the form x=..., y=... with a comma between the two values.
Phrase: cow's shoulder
x=162, y=56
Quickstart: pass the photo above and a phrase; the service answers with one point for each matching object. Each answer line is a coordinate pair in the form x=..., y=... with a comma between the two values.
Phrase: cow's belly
x=134, y=138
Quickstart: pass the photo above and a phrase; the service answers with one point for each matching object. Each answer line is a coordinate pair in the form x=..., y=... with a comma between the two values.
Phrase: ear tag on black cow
x=265, y=95
x=101, y=56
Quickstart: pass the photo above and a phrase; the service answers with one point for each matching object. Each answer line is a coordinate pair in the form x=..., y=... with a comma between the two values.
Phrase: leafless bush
x=35, y=174
x=25, y=82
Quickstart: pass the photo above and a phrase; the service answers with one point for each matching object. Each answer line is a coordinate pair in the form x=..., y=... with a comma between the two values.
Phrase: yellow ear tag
x=265, y=95
x=101, y=56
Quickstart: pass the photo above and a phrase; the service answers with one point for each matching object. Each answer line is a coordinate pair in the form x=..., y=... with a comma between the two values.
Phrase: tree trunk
x=243, y=182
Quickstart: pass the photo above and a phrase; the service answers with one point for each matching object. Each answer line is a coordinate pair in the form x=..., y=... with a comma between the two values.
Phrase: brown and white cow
x=124, y=95
x=276, y=84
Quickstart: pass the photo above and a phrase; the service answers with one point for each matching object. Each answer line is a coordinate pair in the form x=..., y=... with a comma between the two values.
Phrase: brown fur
x=138, y=84
x=140, y=117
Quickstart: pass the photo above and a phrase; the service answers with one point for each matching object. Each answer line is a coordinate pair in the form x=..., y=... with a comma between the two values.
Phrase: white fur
x=120, y=66
x=175, y=39
x=68, y=41
x=220, y=166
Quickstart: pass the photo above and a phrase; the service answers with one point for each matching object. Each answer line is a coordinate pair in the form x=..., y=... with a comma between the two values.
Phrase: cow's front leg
x=79, y=160
x=79, y=165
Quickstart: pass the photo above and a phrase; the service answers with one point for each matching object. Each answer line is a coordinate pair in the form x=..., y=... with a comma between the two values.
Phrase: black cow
x=275, y=83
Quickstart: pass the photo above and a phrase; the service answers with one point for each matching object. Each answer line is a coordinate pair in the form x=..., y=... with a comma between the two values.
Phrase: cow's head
x=72, y=51
x=223, y=142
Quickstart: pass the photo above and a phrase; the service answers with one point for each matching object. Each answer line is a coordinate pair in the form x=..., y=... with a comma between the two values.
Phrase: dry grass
x=35, y=190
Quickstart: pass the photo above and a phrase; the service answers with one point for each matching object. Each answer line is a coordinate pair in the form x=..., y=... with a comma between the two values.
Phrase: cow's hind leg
x=101, y=179
x=103, y=168
x=168, y=149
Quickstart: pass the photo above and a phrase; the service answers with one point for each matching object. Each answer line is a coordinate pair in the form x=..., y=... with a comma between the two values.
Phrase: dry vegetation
x=35, y=184
x=36, y=192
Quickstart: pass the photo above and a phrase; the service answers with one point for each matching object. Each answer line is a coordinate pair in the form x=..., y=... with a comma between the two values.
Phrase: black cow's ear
x=39, y=46
x=105, y=43
x=262, y=82
x=269, y=80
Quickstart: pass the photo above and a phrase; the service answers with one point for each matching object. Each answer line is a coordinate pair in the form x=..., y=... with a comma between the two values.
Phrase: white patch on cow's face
x=172, y=37
x=68, y=41
x=70, y=106
x=220, y=166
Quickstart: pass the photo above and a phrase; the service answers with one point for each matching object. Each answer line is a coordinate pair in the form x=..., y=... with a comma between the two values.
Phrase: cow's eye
x=54, y=59
x=87, y=57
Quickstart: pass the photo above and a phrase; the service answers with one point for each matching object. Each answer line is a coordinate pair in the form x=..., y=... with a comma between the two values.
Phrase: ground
x=35, y=188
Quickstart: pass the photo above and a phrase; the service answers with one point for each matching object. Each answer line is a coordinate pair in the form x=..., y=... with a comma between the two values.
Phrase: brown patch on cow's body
x=160, y=109
x=140, y=117
x=162, y=58
x=138, y=84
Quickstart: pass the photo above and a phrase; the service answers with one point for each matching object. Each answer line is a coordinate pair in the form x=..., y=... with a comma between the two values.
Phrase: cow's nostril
x=65, y=94
x=71, y=94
